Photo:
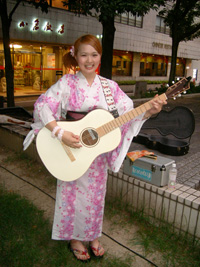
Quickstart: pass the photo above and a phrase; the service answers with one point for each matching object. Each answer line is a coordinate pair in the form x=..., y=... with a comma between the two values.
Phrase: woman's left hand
x=156, y=106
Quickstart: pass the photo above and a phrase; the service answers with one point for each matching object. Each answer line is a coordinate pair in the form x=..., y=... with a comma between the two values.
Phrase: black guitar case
x=175, y=127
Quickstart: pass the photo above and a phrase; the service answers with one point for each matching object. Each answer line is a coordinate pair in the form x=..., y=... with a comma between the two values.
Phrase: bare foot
x=96, y=247
x=79, y=250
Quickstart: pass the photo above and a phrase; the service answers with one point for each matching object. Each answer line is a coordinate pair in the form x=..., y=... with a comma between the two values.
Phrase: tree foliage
x=183, y=19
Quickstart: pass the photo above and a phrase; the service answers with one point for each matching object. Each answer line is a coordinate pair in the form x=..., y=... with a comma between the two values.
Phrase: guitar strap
x=74, y=115
x=108, y=96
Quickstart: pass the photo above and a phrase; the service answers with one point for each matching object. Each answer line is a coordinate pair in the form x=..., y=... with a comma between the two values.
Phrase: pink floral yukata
x=80, y=204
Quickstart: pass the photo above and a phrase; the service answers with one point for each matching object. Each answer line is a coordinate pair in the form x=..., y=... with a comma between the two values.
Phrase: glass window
x=129, y=19
x=122, y=63
x=153, y=65
x=161, y=26
x=118, y=18
x=124, y=18
x=2, y=72
x=35, y=67
x=180, y=67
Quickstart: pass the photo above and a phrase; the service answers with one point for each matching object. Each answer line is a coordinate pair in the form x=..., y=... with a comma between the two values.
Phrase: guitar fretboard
x=121, y=120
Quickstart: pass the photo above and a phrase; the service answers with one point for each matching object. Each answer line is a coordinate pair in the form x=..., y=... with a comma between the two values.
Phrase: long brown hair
x=69, y=61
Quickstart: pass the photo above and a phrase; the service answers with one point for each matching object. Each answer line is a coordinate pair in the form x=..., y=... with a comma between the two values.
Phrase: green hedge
x=132, y=82
x=151, y=93
x=159, y=90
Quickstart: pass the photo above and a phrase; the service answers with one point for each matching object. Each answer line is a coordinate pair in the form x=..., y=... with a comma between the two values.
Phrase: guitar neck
x=121, y=120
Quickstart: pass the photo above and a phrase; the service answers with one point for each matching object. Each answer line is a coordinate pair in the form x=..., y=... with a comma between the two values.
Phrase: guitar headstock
x=179, y=87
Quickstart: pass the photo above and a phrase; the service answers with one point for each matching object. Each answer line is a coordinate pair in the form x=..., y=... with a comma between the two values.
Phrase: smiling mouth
x=89, y=66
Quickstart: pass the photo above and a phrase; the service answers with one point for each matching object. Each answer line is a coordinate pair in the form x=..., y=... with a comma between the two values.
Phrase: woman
x=80, y=204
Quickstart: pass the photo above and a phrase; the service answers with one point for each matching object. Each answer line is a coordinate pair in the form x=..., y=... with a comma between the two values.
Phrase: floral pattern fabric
x=80, y=204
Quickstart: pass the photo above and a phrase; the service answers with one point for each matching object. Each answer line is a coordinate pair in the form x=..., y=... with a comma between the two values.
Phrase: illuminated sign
x=61, y=29
x=36, y=25
x=48, y=27
x=22, y=24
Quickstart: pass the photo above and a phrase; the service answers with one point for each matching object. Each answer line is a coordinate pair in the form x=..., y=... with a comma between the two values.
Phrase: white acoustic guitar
x=99, y=133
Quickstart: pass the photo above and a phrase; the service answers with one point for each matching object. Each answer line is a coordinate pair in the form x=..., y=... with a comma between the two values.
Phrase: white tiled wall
x=179, y=207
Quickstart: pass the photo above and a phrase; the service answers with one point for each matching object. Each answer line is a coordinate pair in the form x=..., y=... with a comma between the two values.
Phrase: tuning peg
x=179, y=95
x=173, y=82
x=174, y=98
x=184, y=92
x=167, y=85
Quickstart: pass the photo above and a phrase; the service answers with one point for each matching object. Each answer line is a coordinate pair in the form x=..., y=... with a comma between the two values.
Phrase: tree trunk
x=107, y=46
x=175, y=45
x=9, y=72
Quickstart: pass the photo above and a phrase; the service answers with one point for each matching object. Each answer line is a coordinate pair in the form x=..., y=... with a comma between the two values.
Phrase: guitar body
x=54, y=156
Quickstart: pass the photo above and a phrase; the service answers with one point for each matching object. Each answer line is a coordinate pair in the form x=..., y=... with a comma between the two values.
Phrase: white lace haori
x=80, y=204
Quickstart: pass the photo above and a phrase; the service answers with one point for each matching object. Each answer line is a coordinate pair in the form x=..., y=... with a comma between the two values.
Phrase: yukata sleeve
x=46, y=109
x=124, y=104
x=48, y=106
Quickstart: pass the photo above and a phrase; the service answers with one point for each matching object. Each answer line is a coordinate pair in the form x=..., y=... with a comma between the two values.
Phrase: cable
x=28, y=182
x=139, y=255
x=130, y=250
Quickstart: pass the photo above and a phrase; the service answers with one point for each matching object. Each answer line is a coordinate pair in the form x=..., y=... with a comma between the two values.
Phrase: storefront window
x=180, y=67
x=27, y=62
x=35, y=67
x=2, y=63
x=2, y=71
x=151, y=65
x=122, y=63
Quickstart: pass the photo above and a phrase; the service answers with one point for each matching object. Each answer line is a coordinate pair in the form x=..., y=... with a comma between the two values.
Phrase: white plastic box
x=153, y=171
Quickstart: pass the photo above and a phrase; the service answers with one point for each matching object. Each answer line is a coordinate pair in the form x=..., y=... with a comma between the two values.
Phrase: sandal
x=95, y=251
x=77, y=253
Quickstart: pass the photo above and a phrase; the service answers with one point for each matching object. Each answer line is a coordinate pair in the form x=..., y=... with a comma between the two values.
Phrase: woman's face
x=88, y=59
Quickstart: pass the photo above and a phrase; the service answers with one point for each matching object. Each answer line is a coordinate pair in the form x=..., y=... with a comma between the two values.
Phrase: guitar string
x=106, y=128
x=121, y=120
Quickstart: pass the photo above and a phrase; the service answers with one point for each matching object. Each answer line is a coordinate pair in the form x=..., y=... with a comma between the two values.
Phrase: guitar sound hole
x=89, y=137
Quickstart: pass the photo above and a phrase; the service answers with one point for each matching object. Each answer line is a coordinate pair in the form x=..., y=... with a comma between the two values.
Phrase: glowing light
x=61, y=29
x=22, y=24
x=35, y=25
x=47, y=27
x=15, y=46
x=99, y=36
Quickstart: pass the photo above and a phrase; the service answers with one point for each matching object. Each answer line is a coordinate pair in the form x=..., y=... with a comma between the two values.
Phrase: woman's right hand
x=68, y=138
x=71, y=140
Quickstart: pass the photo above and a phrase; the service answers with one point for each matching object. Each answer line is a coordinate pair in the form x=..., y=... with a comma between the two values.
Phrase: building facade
x=142, y=46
